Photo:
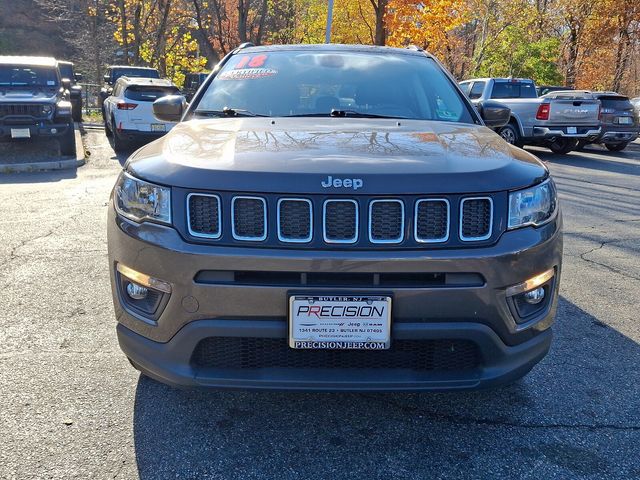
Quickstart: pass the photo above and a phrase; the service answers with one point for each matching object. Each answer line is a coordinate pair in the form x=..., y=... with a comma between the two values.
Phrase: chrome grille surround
x=234, y=220
x=200, y=234
x=371, y=228
x=289, y=239
x=416, y=217
x=462, y=219
x=356, y=226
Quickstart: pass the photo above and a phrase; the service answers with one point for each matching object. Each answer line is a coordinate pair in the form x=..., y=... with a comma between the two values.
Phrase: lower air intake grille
x=249, y=218
x=256, y=353
x=432, y=220
x=476, y=219
x=341, y=221
x=204, y=215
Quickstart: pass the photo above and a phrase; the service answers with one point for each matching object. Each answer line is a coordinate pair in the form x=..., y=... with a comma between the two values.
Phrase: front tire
x=562, y=146
x=77, y=111
x=511, y=135
x=616, y=147
x=68, y=142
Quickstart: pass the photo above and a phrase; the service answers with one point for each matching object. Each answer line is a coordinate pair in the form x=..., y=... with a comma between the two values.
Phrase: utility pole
x=327, y=35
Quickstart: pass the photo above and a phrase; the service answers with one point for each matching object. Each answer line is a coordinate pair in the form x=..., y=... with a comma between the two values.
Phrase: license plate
x=624, y=120
x=158, y=127
x=20, y=133
x=572, y=130
x=340, y=323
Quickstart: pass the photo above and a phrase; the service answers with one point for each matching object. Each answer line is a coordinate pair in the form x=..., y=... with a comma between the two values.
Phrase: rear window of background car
x=513, y=90
x=616, y=103
x=149, y=94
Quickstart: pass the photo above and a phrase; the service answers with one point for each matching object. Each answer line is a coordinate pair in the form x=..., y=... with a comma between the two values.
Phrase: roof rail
x=245, y=45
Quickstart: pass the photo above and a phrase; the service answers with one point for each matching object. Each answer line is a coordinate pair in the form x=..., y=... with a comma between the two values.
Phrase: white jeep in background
x=128, y=114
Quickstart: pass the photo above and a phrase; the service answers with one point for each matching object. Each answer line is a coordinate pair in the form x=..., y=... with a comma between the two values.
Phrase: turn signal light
x=543, y=111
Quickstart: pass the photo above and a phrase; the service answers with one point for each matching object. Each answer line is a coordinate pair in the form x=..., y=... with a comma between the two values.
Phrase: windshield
x=303, y=83
x=66, y=71
x=27, y=76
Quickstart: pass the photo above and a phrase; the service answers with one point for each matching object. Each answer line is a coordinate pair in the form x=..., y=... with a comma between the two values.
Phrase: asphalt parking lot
x=72, y=407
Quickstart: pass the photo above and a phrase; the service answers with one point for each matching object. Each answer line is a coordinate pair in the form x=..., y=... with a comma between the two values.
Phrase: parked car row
x=127, y=98
x=36, y=100
x=561, y=119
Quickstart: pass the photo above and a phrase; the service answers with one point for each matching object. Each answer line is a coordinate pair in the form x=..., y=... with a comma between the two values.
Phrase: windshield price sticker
x=340, y=323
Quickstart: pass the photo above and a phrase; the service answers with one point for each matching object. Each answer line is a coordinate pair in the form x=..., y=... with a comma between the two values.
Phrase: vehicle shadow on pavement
x=576, y=414
x=38, y=177
x=612, y=162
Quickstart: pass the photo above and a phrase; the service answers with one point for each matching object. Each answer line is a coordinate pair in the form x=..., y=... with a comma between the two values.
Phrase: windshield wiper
x=228, y=112
x=354, y=113
x=347, y=113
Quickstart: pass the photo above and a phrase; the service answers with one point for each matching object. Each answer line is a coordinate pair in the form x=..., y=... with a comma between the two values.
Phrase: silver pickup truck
x=550, y=121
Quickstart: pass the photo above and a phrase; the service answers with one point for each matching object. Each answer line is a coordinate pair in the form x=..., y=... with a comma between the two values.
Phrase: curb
x=50, y=165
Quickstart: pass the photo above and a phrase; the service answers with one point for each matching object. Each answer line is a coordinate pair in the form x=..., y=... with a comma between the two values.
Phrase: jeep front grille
x=432, y=220
x=340, y=221
x=249, y=218
x=386, y=221
x=203, y=211
x=317, y=221
x=477, y=216
x=21, y=110
x=295, y=220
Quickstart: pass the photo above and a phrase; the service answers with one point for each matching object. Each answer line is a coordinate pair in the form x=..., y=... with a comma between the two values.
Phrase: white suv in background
x=128, y=110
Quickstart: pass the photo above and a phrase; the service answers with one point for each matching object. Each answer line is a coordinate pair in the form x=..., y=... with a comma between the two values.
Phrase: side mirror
x=494, y=114
x=169, y=108
x=78, y=77
x=66, y=83
x=106, y=78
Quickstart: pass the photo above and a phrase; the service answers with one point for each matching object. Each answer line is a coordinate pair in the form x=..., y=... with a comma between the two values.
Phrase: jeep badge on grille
x=354, y=183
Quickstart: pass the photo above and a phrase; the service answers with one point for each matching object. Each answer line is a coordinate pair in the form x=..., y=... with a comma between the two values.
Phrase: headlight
x=63, y=109
x=47, y=109
x=533, y=206
x=139, y=200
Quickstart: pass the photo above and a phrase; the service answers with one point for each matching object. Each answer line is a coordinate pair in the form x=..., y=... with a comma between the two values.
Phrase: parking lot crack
x=583, y=256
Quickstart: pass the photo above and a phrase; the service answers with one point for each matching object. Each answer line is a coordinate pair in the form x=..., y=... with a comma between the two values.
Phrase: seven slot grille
x=295, y=220
x=18, y=109
x=249, y=218
x=386, y=222
x=477, y=216
x=204, y=215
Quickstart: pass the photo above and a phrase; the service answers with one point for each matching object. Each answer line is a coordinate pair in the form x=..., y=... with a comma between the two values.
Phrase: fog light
x=534, y=296
x=531, y=284
x=143, y=279
x=54, y=130
x=137, y=292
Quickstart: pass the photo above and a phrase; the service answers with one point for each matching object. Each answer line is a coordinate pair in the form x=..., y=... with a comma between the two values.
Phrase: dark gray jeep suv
x=333, y=218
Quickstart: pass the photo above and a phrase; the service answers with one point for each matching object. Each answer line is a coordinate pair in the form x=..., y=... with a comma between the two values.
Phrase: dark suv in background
x=33, y=101
x=66, y=70
x=192, y=82
x=618, y=123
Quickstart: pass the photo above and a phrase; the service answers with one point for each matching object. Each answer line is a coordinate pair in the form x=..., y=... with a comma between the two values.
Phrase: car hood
x=298, y=155
x=26, y=95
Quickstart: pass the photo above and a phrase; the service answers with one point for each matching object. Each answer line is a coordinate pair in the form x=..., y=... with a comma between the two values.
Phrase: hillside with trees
x=580, y=43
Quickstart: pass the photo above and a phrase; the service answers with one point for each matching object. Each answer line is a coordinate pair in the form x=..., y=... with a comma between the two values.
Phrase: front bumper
x=36, y=129
x=163, y=347
x=551, y=132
